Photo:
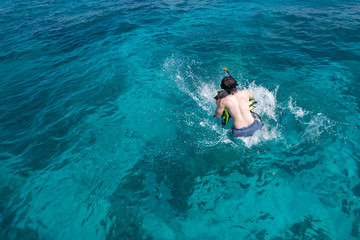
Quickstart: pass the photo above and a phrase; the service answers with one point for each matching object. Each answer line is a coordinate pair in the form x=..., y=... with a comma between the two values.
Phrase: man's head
x=229, y=84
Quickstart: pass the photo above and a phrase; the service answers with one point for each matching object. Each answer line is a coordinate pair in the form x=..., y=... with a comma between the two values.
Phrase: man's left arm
x=219, y=109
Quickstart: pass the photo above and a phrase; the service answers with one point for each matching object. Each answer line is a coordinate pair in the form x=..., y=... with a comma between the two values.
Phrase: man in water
x=237, y=103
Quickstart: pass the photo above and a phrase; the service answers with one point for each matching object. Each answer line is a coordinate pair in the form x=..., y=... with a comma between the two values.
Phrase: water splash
x=297, y=111
x=183, y=73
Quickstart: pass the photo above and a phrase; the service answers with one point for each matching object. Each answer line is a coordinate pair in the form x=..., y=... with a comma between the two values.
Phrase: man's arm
x=219, y=109
x=251, y=96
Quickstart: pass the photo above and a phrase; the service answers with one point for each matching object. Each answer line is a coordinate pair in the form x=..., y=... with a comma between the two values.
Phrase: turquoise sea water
x=107, y=129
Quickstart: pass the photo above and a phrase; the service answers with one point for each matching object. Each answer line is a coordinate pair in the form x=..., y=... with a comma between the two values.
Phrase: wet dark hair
x=229, y=84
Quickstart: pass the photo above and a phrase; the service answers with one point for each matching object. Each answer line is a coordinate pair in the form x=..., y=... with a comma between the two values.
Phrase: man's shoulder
x=244, y=91
x=237, y=93
x=240, y=92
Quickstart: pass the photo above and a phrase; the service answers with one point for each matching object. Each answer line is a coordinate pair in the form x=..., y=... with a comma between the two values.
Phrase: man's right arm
x=251, y=96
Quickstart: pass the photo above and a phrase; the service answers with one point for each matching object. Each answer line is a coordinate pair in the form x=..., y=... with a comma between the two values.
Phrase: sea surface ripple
x=107, y=130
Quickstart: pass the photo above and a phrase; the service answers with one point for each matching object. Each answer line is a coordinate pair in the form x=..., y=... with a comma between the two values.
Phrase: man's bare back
x=238, y=106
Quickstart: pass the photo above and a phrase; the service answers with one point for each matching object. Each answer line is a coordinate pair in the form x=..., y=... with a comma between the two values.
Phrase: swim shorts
x=246, y=131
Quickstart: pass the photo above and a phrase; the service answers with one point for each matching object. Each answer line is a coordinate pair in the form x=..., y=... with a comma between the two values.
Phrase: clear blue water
x=107, y=129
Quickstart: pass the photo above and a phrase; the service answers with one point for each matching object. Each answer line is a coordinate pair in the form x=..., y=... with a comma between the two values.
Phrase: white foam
x=266, y=100
x=297, y=111
x=261, y=136
x=202, y=93
x=181, y=73
x=317, y=125
x=312, y=129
